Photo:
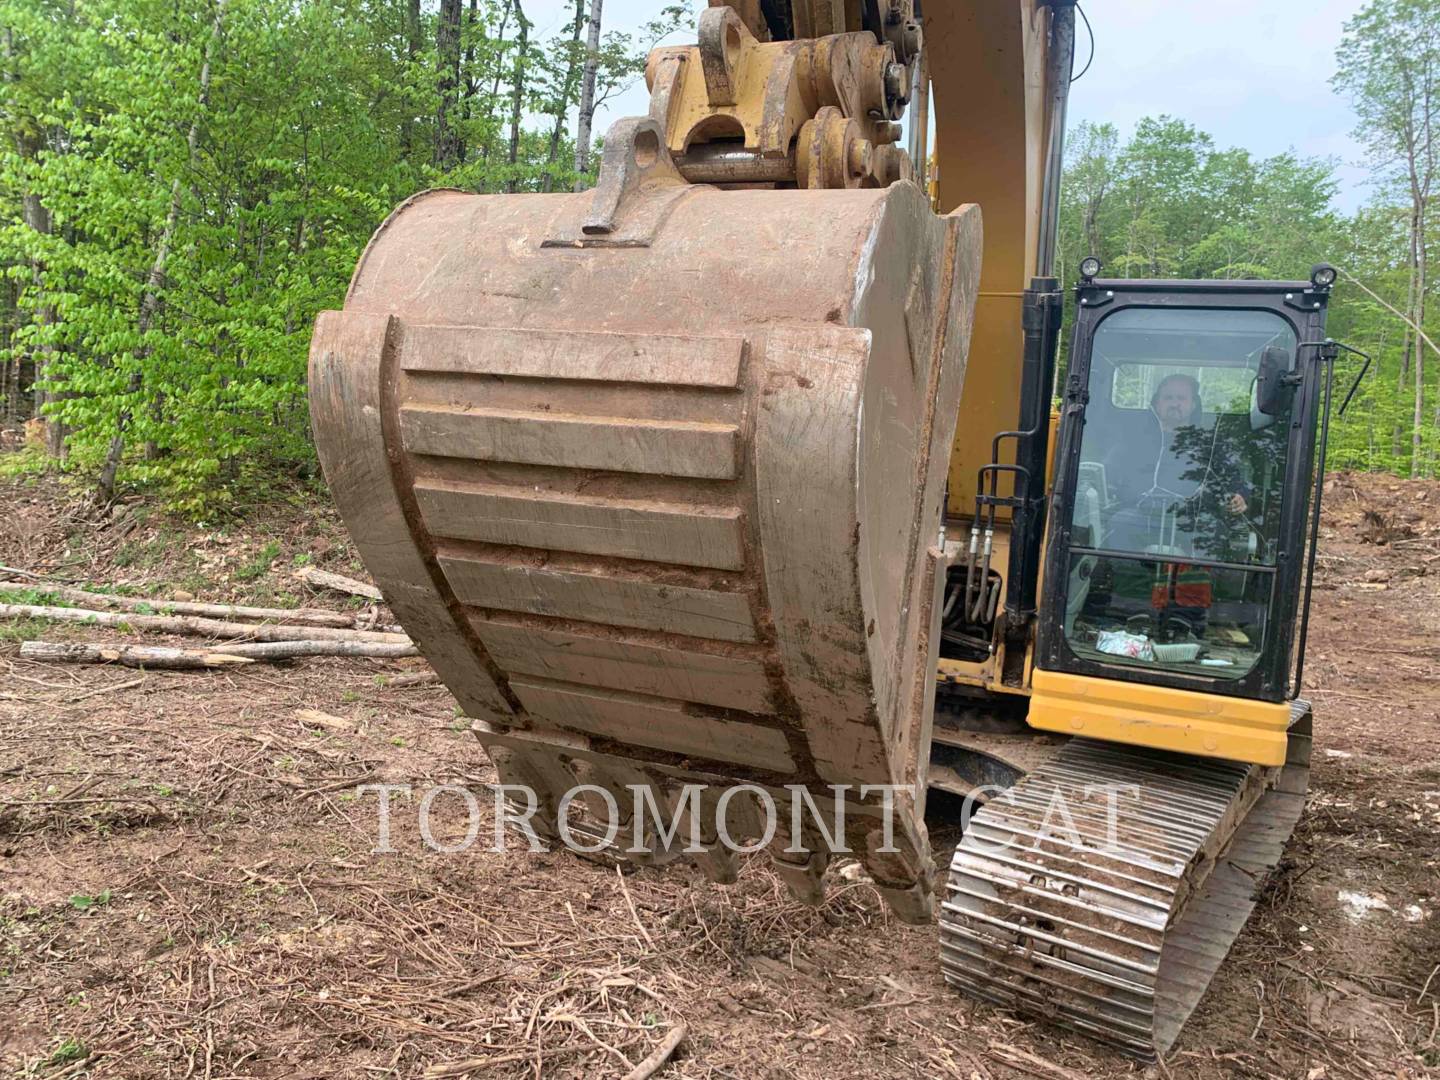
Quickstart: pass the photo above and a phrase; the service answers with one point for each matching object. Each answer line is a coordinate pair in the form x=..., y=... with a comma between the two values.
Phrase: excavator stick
x=653, y=476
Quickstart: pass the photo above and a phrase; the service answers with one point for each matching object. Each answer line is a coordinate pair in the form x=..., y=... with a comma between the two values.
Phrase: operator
x=1169, y=504
x=1174, y=470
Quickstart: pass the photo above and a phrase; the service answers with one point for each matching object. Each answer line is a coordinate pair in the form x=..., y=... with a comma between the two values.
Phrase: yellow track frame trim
x=1209, y=725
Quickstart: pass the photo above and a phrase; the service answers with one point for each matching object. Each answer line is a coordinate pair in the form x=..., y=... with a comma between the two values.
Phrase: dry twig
x=660, y=1055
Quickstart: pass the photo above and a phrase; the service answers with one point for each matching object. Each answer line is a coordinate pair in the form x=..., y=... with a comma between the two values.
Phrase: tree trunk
x=562, y=104
x=1397, y=441
x=517, y=97
x=1419, y=151
x=1418, y=432
x=150, y=298
x=1092, y=221
x=447, y=84
x=167, y=656
x=137, y=656
x=495, y=83
x=587, y=96
x=37, y=218
x=413, y=45
x=467, y=96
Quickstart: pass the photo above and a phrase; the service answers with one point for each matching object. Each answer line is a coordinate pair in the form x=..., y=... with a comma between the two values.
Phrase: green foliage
x=33, y=597
x=1168, y=203
x=259, y=566
x=1388, y=65
x=23, y=629
x=67, y=1050
x=169, y=227
x=30, y=461
x=254, y=192
x=85, y=901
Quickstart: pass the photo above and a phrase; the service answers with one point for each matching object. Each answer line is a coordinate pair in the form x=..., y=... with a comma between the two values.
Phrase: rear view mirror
x=1274, y=390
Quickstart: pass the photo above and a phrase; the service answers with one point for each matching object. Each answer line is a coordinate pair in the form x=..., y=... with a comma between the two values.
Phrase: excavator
x=749, y=470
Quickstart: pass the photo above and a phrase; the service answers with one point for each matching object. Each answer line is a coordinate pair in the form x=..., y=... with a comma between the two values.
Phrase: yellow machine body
x=987, y=67
x=1187, y=722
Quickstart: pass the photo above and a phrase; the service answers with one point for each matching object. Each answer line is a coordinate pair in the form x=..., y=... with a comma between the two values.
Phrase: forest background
x=185, y=183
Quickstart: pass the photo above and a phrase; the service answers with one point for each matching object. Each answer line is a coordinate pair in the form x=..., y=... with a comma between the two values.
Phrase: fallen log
x=324, y=579
x=99, y=601
x=290, y=650
x=146, y=656
x=162, y=656
x=198, y=626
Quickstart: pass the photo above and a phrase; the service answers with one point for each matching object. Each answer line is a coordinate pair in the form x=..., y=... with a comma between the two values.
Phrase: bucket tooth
x=649, y=473
x=547, y=776
x=902, y=868
x=700, y=819
x=803, y=872
x=718, y=864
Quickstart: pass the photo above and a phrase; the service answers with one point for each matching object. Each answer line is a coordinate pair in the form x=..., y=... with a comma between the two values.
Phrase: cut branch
x=136, y=656
x=324, y=579
x=101, y=601
x=197, y=626
x=660, y=1055
x=163, y=656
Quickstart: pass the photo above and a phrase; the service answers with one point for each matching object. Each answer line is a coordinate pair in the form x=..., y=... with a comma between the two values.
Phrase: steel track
x=1114, y=930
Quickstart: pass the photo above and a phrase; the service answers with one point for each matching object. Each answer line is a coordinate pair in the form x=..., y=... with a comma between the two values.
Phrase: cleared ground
x=187, y=884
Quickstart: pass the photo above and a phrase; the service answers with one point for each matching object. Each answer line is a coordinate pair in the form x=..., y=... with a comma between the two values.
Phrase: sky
x=1251, y=73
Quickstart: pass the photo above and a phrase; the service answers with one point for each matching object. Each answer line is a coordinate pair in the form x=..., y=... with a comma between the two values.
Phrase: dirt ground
x=188, y=887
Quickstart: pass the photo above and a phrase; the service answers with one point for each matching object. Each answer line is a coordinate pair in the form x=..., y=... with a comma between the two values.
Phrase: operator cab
x=1181, y=484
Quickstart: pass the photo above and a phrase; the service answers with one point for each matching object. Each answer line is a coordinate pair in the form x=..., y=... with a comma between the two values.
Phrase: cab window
x=1176, y=517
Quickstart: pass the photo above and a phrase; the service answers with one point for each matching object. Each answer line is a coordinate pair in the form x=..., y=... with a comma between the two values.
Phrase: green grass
x=150, y=554
x=36, y=596
x=24, y=629
x=66, y=1050
x=259, y=566
x=84, y=901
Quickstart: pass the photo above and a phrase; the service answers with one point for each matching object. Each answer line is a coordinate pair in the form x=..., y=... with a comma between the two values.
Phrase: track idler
x=653, y=477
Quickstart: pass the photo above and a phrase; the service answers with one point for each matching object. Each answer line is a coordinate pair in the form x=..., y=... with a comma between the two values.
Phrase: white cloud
x=1252, y=73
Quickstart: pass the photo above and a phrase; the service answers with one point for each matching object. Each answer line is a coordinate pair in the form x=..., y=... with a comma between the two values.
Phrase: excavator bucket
x=653, y=476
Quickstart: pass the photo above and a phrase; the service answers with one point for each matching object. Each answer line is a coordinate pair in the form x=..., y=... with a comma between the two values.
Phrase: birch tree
x=589, y=71
x=155, y=279
x=1389, y=66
